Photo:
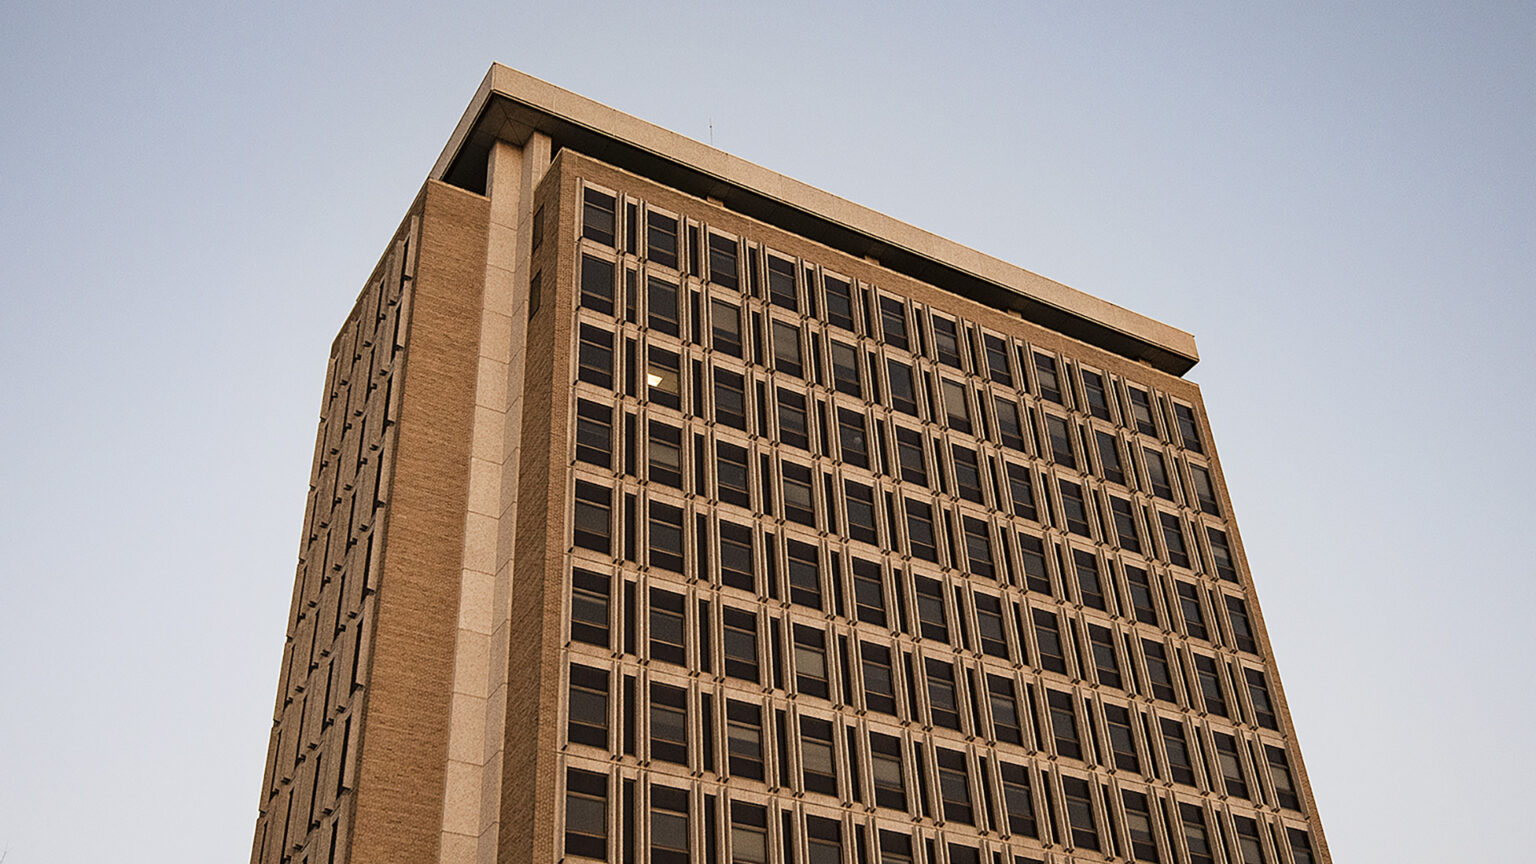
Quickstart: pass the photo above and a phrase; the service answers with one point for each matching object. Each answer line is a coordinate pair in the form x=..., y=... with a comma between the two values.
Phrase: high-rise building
x=666, y=509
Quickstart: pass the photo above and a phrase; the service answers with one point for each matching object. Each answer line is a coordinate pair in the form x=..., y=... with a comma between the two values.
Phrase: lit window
x=669, y=723
x=586, y=814
x=587, y=721
x=663, y=385
x=597, y=217
x=597, y=284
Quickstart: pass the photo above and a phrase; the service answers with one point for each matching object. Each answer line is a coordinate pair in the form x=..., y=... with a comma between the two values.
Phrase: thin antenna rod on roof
x=711, y=131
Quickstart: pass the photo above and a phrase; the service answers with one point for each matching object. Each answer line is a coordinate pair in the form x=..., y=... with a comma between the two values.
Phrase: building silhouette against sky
x=666, y=509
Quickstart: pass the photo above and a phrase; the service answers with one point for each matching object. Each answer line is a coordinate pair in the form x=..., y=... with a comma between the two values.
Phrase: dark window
x=868, y=592
x=818, y=773
x=811, y=662
x=839, y=303
x=1175, y=746
x=1231, y=767
x=1072, y=508
x=1048, y=637
x=852, y=439
x=730, y=400
x=1157, y=473
x=989, y=626
x=946, y=342
x=879, y=690
x=804, y=574
x=1242, y=630
x=667, y=627
x=1141, y=595
x=794, y=426
x=586, y=814
x=661, y=239
x=885, y=764
x=903, y=391
x=594, y=357
x=942, y=698
x=1210, y=685
x=1205, y=493
x=920, y=531
x=740, y=644
x=1122, y=742
x=1050, y=385
x=589, y=607
x=1301, y=845
x=1018, y=801
x=1195, y=836
x=1280, y=774
x=997, y=360
x=967, y=473
x=669, y=723
x=845, y=369
x=738, y=567
x=954, y=789
x=963, y=854
x=1188, y=430
x=722, y=261
x=1088, y=584
x=1141, y=411
x=597, y=284
x=781, y=283
x=1021, y=490
x=1005, y=710
x=731, y=474
x=1158, y=673
x=798, y=506
x=1032, y=554
x=1138, y=819
x=1064, y=724
x=588, y=707
x=666, y=455
x=744, y=739
x=1105, y=661
x=1061, y=441
x=594, y=433
x=895, y=847
x=666, y=527
x=662, y=381
x=591, y=521
x=893, y=322
x=749, y=833
x=859, y=502
x=661, y=306
x=786, y=349
x=930, y=609
x=956, y=407
x=1085, y=833
x=1010, y=432
x=725, y=326
x=823, y=840
x=1189, y=608
x=1109, y=457
x=1248, y=842
x=669, y=826
x=1221, y=554
x=1258, y=694
x=597, y=217
x=1093, y=386
x=909, y=452
x=1125, y=524
x=1173, y=538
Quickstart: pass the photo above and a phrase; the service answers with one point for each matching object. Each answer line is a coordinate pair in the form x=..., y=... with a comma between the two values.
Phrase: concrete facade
x=437, y=699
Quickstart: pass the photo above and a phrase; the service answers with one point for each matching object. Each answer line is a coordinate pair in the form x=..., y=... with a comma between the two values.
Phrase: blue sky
x=1337, y=200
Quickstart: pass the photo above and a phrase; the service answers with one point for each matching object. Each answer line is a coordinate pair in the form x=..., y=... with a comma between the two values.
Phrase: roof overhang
x=511, y=105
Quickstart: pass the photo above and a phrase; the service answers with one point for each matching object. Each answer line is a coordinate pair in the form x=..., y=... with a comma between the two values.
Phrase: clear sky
x=1337, y=200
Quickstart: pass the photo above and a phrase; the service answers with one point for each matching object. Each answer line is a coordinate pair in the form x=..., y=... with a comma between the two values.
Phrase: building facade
x=665, y=509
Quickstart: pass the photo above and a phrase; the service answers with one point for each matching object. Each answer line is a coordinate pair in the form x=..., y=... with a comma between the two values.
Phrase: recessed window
x=920, y=531
x=1122, y=742
x=588, y=707
x=1231, y=767
x=591, y=519
x=954, y=788
x=903, y=392
x=816, y=761
x=1189, y=608
x=666, y=533
x=798, y=505
x=731, y=474
x=989, y=626
x=661, y=239
x=594, y=433
x=1196, y=840
x=1085, y=833
x=1141, y=595
x=786, y=349
x=810, y=662
x=1158, y=674
x=839, y=303
x=590, y=594
x=895, y=847
x=1109, y=457
x=597, y=284
x=1138, y=820
x=1173, y=538
x=1009, y=431
x=1248, y=842
x=1301, y=845
x=666, y=626
x=1157, y=473
x=957, y=408
x=823, y=840
x=1105, y=661
x=597, y=217
x=669, y=724
x=997, y=360
x=1061, y=441
x=804, y=574
x=1048, y=639
x=1205, y=493
x=594, y=357
x=853, y=442
x=946, y=342
x=1242, y=629
x=1064, y=724
x=879, y=689
x=669, y=826
x=749, y=833
x=722, y=262
x=1125, y=524
x=666, y=455
x=1093, y=388
x=1021, y=490
x=1005, y=710
x=725, y=326
x=1141, y=411
x=942, y=698
x=738, y=564
x=845, y=369
x=1050, y=384
x=781, y=283
x=1089, y=587
x=885, y=764
x=909, y=452
x=967, y=473
x=1175, y=746
x=1210, y=685
x=1018, y=801
x=978, y=548
x=868, y=592
x=930, y=609
x=661, y=306
x=1073, y=509
x=730, y=400
x=893, y=322
x=740, y=640
x=586, y=814
x=794, y=425
x=744, y=739
x=1221, y=554
x=1280, y=775
x=859, y=502
x=1188, y=429
x=662, y=379
x=1258, y=694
